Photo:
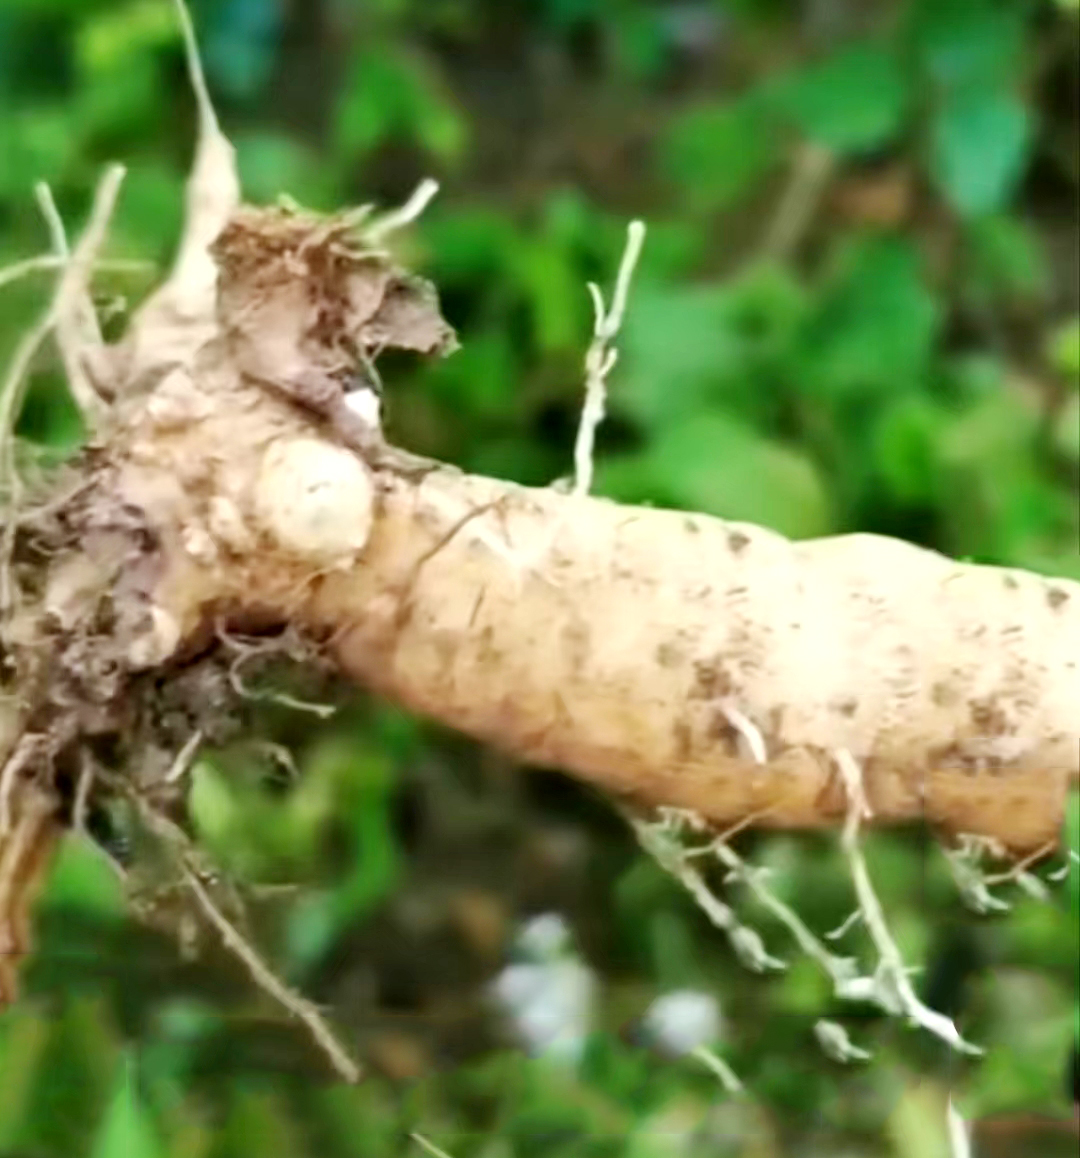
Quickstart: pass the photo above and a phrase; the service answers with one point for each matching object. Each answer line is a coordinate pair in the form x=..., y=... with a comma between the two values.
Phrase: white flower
x=548, y=997
x=682, y=1021
x=544, y=938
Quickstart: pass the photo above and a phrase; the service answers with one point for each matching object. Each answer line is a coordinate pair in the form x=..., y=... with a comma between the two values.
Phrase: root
x=184, y=759
x=50, y=262
x=715, y=1064
x=77, y=334
x=396, y=219
x=671, y=659
x=70, y=315
x=262, y=649
x=601, y=357
x=890, y=986
x=24, y=850
x=193, y=874
x=660, y=841
x=83, y=789
x=428, y=1145
x=265, y=978
x=841, y=970
x=835, y=1043
x=958, y=1132
x=974, y=885
x=22, y=756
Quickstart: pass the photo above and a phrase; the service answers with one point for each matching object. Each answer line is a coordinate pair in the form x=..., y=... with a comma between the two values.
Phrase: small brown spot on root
x=669, y=654
x=711, y=680
x=737, y=542
x=1056, y=598
x=988, y=717
x=944, y=695
x=577, y=639
x=683, y=736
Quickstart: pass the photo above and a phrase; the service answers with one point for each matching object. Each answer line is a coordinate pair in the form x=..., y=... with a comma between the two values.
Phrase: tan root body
x=674, y=660
x=624, y=645
x=630, y=649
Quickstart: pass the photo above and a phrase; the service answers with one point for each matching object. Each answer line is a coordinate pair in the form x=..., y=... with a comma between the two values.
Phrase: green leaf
x=366, y=111
x=50, y=417
x=1033, y=1025
x=980, y=148
x=875, y=325
x=390, y=95
x=638, y=38
x=558, y=303
x=127, y=1131
x=568, y=13
x=149, y=215
x=674, y=250
x=39, y=144
x=24, y=1038
x=905, y=448
x=107, y=42
x=271, y=164
x=672, y=353
x=478, y=381
x=1000, y=502
x=1063, y=563
x=313, y=924
x=212, y=805
x=355, y=782
x=72, y=1081
x=715, y=464
x=1007, y=258
x=239, y=42
x=1067, y=429
x=435, y=123
x=124, y=100
x=717, y=153
x=1065, y=351
x=81, y=879
x=854, y=102
x=258, y=1123
x=116, y=53
x=686, y=347
x=469, y=245
x=969, y=42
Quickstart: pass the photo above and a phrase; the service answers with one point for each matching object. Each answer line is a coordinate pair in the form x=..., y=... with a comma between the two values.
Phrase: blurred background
x=857, y=309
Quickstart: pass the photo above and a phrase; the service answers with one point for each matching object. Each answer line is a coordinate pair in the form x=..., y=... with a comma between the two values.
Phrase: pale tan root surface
x=629, y=652
x=644, y=650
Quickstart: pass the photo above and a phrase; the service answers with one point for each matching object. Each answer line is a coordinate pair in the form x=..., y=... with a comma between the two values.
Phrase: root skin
x=621, y=653
x=624, y=644
x=638, y=649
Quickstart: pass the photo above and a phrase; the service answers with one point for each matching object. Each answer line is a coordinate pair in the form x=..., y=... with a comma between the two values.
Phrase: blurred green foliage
x=857, y=309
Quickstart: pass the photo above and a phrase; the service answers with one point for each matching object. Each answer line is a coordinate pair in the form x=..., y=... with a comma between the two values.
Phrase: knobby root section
x=237, y=501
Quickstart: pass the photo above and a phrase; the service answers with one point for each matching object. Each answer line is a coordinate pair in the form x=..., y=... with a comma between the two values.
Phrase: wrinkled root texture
x=640, y=649
x=672, y=659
